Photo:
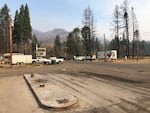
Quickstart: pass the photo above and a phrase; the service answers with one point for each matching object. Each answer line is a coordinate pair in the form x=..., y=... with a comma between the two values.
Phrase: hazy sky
x=68, y=14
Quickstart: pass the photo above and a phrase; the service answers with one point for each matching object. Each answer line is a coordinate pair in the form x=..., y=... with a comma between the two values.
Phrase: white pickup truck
x=41, y=60
x=79, y=58
x=58, y=60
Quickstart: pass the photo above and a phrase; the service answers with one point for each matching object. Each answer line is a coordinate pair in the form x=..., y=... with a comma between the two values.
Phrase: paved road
x=100, y=87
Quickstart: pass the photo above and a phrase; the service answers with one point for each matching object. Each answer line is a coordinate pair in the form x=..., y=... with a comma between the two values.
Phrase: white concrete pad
x=49, y=94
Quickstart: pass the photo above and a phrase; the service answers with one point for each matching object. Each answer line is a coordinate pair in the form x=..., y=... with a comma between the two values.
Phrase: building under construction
x=4, y=35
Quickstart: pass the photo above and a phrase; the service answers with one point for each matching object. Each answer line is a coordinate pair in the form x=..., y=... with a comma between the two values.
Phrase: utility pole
x=118, y=41
x=127, y=33
x=10, y=37
x=36, y=50
x=105, y=46
x=133, y=42
x=137, y=43
x=104, y=43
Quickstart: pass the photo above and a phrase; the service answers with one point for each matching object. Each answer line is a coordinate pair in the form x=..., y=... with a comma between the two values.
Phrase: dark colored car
x=88, y=58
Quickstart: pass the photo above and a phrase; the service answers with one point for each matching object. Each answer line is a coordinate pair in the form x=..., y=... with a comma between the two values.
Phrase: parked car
x=2, y=60
x=57, y=60
x=88, y=58
x=79, y=58
x=41, y=60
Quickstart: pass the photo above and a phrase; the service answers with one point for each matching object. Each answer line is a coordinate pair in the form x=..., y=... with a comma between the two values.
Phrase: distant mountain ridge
x=49, y=37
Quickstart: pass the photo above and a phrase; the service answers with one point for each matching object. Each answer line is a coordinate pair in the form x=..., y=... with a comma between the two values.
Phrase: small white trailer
x=112, y=54
x=18, y=58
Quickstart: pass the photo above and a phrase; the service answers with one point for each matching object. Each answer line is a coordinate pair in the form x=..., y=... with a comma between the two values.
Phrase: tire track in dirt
x=131, y=86
x=89, y=96
x=91, y=87
x=93, y=99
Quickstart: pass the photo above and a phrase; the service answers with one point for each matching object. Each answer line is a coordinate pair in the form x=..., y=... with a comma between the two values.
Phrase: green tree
x=26, y=29
x=77, y=41
x=74, y=43
x=22, y=32
x=57, y=47
x=57, y=42
x=122, y=43
x=5, y=11
x=34, y=42
x=87, y=40
x=16, y=31
x=26, y=25
x=70, y=45
x=21, y=22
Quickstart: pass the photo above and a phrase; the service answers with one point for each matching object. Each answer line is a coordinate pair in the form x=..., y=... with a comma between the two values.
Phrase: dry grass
x=135, y=60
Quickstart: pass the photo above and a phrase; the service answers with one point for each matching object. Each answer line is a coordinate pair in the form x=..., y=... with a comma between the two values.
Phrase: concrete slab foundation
x=49, y=94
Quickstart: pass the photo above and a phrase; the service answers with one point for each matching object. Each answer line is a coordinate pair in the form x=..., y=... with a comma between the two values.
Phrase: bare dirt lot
x=101, y=87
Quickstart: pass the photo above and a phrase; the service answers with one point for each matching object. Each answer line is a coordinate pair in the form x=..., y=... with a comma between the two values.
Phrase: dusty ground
x=100, y=87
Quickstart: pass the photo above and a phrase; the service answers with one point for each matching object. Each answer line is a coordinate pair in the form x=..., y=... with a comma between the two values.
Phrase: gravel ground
x=101, y=87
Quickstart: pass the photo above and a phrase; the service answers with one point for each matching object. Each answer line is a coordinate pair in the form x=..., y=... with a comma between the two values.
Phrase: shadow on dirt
x=110, y=77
